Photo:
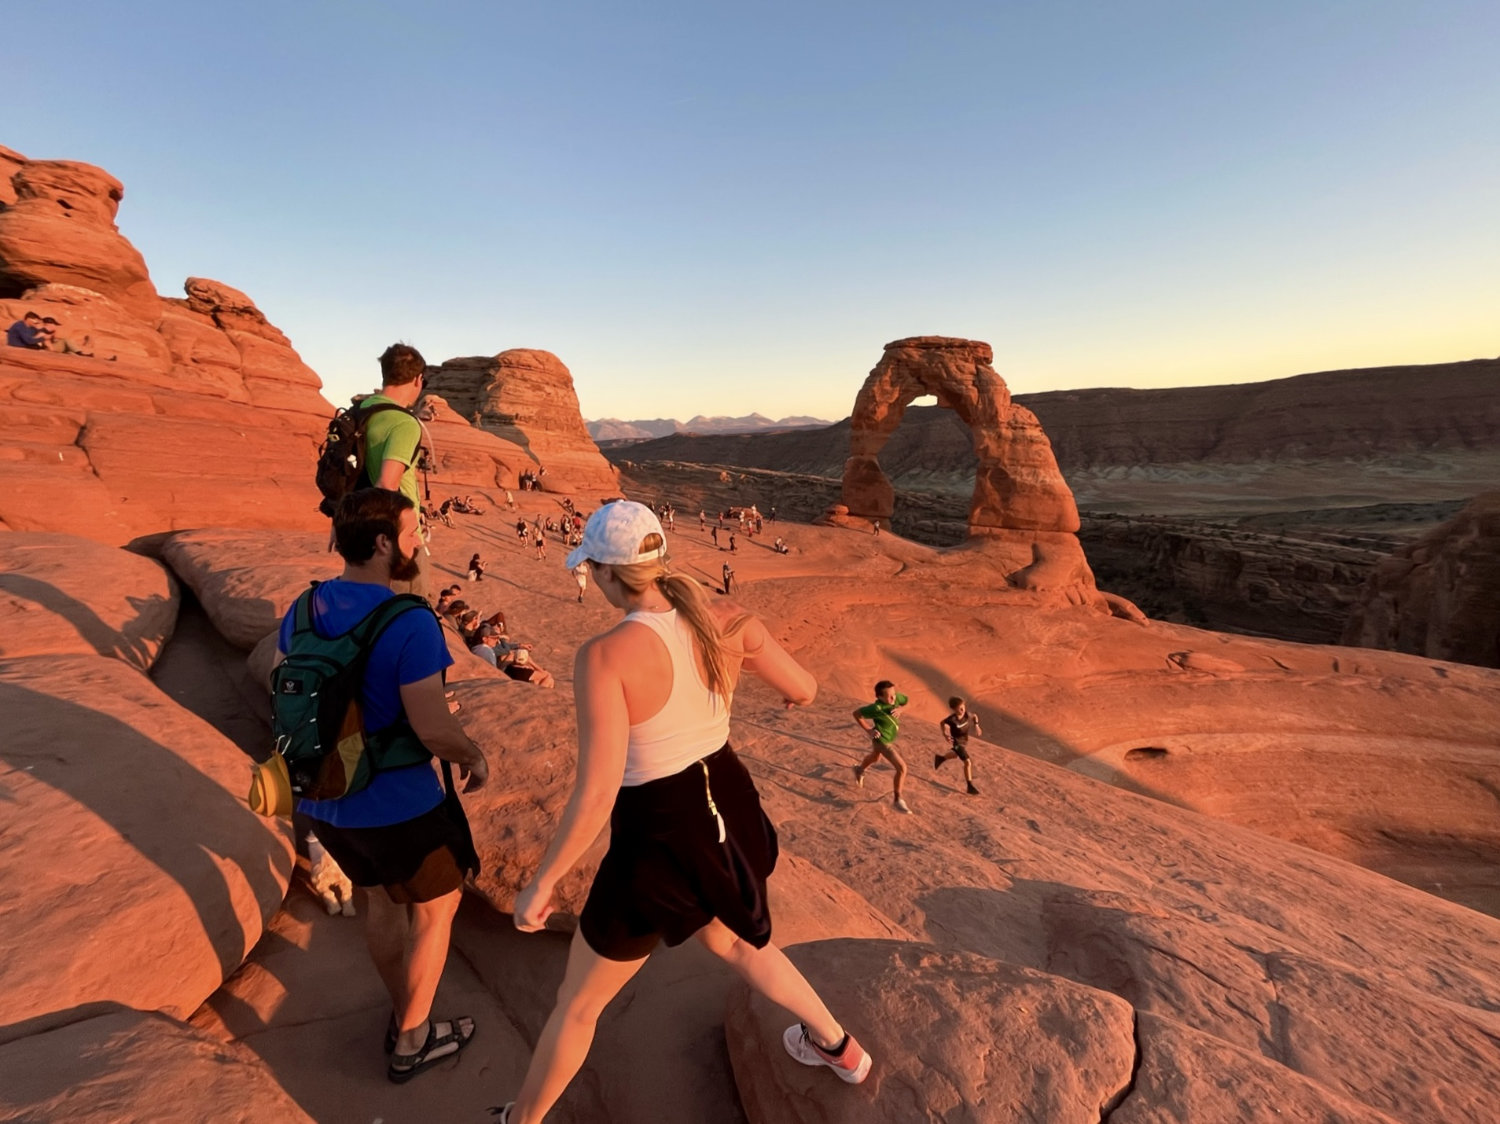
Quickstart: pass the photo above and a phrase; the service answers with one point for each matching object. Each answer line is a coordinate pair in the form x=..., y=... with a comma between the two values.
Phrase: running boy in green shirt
x=880, y=721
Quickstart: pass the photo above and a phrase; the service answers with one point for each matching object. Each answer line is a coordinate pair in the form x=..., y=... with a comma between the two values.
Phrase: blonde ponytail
x=687, y=597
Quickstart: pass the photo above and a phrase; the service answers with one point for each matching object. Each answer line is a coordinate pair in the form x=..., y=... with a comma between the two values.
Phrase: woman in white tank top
x=690, y=848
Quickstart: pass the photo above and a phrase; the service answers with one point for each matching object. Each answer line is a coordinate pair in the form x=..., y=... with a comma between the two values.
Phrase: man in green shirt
x=393, y=438
x=880, y=721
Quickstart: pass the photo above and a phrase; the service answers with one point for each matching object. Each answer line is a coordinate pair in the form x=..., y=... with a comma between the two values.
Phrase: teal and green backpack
x=317, y=717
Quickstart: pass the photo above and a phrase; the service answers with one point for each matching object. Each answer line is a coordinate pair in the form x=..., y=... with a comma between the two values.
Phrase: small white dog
x=328, y=880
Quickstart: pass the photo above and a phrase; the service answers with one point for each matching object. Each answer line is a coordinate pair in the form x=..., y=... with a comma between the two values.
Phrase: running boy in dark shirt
x=956, y=728
x=880, y=720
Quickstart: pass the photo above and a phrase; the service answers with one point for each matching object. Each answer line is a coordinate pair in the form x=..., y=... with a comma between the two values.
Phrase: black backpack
x=317, y=717
x=341, y=457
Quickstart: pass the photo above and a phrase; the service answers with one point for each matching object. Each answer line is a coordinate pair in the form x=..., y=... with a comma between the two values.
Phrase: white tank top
x=693, y=723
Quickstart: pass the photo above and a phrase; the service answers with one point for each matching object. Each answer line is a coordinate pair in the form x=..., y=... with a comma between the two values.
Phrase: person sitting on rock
x=398, y=837
x=960, y=723
x=485, y=643
x=446, y=598
x=472, y=508
x=26, y=332
x=517, y=664
x=881, y=722
x=65, y=345
x=780, y=546
x=476, y=568
x=443, y=510
x=691, y=848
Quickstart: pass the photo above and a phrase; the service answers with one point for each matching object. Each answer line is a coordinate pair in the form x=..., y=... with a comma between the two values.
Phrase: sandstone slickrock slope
x=526, y=396
x=1440, y=596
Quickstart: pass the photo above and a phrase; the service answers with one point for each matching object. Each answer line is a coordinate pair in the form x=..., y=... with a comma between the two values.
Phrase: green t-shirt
x=392, y=435
x=885, y=722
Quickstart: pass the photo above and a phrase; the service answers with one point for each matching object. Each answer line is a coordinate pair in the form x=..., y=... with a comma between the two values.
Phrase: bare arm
x=391, y=473
x=603, y=731
x=427, y=711
x=769, y=662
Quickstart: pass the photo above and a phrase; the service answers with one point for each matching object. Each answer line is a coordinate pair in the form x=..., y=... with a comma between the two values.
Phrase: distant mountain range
x=614, y=431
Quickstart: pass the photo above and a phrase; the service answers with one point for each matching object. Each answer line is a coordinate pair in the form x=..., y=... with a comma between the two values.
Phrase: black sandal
x=404, y=1067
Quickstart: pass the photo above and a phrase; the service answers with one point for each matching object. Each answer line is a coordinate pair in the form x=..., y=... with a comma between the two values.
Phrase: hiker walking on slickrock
x=960, y=723
x=393, y=437
x=399, y=836
x=881, y=722
x=690, y=848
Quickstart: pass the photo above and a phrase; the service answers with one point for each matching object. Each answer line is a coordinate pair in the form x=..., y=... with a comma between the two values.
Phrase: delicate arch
x=1017, y=485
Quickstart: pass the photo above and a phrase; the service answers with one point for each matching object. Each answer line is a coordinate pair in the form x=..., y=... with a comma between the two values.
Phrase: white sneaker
x=853, y=1065
x=901, y=806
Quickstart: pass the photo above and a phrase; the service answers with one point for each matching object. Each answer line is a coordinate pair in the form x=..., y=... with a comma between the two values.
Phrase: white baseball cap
x=615, y=533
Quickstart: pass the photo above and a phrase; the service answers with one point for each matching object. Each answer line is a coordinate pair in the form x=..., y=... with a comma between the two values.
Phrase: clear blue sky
x=714, y=208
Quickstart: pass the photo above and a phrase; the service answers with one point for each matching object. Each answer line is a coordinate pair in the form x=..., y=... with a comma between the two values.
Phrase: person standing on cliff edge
x=400, y=837
x=881, y=722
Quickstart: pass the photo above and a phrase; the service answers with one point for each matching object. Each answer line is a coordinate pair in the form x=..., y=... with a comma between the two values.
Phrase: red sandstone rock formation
x=192, y=412
x=1021, y=503
x=99, y=766
x=1018, y=486
x=1440, y=596
x=526, y=396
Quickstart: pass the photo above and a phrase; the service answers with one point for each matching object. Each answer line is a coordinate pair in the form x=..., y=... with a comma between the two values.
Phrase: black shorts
x=667, y=874
x=416, y=860
x=520, y=671
x=961, y=750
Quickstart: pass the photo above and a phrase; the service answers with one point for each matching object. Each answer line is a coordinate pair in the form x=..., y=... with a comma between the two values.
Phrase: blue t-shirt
x=21, y=334
x=410, y=649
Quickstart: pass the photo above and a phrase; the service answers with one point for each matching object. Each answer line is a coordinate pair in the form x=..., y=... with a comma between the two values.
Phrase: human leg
x=859, y=770
x=387, y=931
x=431, y=924
x=774, y=976
x=899, y=764
x=589, y=983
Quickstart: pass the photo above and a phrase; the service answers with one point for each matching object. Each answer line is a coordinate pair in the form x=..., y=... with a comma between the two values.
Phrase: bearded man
x=398, y=837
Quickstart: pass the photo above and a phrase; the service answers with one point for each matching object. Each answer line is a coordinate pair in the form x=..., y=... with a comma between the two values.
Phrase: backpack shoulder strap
x=374, y=623
x=303, y=621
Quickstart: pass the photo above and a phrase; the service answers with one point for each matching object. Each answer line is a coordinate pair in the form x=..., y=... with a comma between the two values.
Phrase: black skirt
x=670, y=869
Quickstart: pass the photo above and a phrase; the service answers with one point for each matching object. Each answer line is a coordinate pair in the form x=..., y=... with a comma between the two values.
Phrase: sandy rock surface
x=133, y=1066
x=953, y=1037
x=62, y=595
x=129, y=860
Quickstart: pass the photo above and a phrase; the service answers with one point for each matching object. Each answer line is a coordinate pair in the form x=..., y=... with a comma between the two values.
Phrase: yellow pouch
x=270, y=787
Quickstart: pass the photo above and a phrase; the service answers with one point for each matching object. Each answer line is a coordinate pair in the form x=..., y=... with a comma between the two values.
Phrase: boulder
x=133, y=1065
x=526, y=396
x=126, y=830
x=247, y=580
x=63, y=595
x=953, y=1036
x=1440, y=596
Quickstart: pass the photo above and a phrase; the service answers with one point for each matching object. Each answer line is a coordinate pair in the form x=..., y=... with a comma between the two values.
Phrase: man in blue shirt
x=398, y=837
x=26, y=332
